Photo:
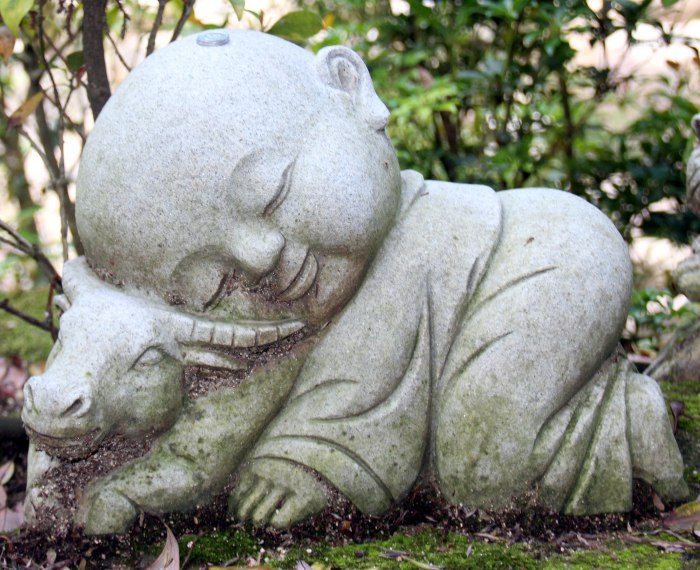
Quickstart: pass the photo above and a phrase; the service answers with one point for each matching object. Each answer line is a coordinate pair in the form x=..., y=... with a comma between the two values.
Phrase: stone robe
x=478, y=351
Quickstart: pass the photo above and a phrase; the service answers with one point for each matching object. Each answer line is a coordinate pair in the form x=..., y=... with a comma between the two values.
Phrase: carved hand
x=277, y=493
x=104, y=510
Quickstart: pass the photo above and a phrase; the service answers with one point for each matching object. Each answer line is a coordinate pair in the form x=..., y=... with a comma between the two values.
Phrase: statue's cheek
x=344, y=194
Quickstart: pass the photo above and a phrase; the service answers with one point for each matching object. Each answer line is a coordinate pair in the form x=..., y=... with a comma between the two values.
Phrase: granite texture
x=242, y=210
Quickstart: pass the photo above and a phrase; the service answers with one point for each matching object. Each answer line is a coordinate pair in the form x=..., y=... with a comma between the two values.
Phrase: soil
x=339, y=524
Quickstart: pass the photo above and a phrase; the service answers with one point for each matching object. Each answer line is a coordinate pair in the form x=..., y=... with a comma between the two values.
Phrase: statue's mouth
x=77, y=447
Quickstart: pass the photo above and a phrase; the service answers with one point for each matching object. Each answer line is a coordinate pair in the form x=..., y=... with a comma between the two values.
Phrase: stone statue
x=680, y=358
x=243, y=210
x=687, y=274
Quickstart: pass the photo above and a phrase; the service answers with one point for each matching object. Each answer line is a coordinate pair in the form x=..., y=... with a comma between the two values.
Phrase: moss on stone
x=20, y=338
x=688, y=435
x=218, y=547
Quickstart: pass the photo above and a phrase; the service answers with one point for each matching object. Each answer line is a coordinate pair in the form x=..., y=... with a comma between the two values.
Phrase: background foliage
x=493, y=92
x=482, y=91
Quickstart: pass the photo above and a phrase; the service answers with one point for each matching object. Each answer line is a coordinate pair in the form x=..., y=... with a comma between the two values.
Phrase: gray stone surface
x=242, y=210
x=687, y=275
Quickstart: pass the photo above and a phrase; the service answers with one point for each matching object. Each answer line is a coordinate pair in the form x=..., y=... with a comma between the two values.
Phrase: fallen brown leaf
x=7, y=470
x=27, y=108
x=487, y=536
x=169, y=559
x=658, y=503
x=239, y=568
x=11, y=519
x=685, y=517
x=7, y=43
x=667, y=546
x=677, y=409
x=13, y=376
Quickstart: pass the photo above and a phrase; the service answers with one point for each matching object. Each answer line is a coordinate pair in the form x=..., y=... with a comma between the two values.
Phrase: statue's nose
x=29, y=405
x=256, y=248
x=73, y=404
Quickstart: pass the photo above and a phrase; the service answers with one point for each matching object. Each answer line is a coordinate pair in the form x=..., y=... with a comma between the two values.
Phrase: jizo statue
x=243, y=211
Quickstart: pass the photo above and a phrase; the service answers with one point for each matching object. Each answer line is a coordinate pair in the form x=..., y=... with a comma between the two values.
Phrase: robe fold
x=360, y=412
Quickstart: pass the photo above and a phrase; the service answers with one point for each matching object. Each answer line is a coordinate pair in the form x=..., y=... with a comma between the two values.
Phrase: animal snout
x=29, y=405
x=43, y=398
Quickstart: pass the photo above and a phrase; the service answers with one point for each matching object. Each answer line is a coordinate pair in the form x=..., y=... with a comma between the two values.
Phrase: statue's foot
x=655, y=455
x=687, y=275
x=276, y=493
x=105, y=511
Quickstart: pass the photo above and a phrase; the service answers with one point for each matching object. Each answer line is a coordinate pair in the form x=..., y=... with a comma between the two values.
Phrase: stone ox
x=237, y=190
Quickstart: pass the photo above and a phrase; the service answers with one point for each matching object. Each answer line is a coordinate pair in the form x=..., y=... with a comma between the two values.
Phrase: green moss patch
x=688, y=435
x=20, y=338
x=218, y=547
x=620, y=557
x=430, y=549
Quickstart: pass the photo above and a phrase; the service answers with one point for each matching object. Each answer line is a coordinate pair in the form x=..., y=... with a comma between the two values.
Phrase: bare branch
x=94, y=53
x=187, y=6
x=58, y=54
x=44, y=157
x=156, y=26
x=33, y=251
x=116, y=51
x=49, y=311
x=44, y=325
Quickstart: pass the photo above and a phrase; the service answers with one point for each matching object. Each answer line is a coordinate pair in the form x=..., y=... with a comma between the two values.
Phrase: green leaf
x=297, y=26
x=12, y=12
x=75, y=60
x=238, y=7
x=669, y=3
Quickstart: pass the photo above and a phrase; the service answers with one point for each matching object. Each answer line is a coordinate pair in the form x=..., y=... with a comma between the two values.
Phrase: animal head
x=117, y=366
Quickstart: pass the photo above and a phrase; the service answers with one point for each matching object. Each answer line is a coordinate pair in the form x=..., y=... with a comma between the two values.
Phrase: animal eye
x=150, y=356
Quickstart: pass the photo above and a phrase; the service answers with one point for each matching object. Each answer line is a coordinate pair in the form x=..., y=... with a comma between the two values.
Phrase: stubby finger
x=252, y=498
x=267, y=506
x=248, y=480
x=291, y=512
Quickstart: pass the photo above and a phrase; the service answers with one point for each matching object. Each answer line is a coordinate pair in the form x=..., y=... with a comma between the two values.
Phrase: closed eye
x=282, y=190
x=149, y=357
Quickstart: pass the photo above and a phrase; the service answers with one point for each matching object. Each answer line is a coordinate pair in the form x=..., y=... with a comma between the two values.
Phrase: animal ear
x=62, y=302
x=695, y=123
x=342, y=69
x=79, y=278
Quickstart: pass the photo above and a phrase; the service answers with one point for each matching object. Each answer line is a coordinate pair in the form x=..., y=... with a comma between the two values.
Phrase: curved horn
x=241, y=334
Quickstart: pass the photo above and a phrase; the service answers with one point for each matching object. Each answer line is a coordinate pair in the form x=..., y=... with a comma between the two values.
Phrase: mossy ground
x=430, y=549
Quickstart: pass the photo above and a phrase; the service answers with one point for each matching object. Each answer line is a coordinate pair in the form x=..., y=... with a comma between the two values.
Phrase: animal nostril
x=79, y=407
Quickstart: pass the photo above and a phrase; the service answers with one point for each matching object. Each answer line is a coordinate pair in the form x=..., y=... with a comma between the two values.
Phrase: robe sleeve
x=360, y=412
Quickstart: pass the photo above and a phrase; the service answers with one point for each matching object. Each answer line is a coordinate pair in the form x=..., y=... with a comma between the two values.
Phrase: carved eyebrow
x=282, y=190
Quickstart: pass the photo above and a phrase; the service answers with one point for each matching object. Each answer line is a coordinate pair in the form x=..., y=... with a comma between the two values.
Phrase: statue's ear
x=342, y=69
x=695, y=123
